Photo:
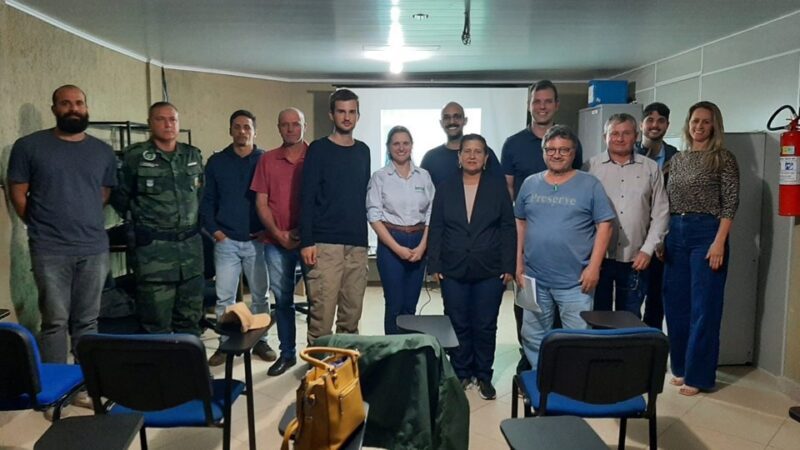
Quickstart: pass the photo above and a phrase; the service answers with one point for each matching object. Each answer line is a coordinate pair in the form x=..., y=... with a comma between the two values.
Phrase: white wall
x=749, y=75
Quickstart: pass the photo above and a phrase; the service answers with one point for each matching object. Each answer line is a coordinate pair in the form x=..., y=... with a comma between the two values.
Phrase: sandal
x=688, y=391
x=676, y=381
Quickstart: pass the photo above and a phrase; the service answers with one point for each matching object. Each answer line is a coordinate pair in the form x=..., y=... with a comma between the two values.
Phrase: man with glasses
x=635, y=187
x=442, y=162
x=563, y=228
x=522, y=157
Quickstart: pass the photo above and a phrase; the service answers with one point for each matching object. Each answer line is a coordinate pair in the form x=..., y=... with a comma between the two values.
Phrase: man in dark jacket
x=655, y=122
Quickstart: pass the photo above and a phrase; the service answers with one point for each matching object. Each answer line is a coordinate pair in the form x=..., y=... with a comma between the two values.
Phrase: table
x=439, y=327
x=238, y=343
x=103, y=431
x=354, y=442
x=611, y=320
x=4, y=313
x=561, y=432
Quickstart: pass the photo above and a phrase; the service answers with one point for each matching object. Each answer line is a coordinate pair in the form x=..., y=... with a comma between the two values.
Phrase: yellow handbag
x=329, y=403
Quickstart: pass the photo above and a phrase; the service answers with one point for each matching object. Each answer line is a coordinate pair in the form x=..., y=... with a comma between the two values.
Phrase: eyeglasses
x=562, y=151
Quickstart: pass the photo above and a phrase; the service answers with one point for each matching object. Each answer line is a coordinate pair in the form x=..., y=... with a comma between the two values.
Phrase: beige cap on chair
x=239, y=312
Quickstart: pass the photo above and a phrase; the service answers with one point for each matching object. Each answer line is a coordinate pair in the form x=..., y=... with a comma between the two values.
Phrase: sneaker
x=217, y=359
x=466, y=383
x=82, y=400
x=264, y=351
x=486, y=390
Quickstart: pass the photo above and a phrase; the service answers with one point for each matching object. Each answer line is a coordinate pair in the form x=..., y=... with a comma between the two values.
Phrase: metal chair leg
x=623, y=428
x=143, y=439
x=653, y=433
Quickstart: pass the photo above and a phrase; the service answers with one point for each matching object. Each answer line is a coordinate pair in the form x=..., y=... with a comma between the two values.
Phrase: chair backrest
x=19, y=371
x=146, y=372
x=603, y=366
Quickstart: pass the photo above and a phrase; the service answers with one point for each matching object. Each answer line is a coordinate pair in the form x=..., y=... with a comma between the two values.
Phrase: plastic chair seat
x=559, y=405
x=189, y=414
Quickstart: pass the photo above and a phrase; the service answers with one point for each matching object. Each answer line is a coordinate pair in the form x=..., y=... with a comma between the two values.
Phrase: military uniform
x=162, y=190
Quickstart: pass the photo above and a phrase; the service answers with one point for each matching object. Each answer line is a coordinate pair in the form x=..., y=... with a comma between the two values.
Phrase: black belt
x=144, y=236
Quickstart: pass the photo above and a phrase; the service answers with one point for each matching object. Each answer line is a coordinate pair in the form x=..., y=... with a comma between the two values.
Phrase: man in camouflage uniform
x=160, y=184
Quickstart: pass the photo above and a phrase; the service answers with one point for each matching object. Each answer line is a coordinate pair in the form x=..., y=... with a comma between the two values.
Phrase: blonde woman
x=703, y=190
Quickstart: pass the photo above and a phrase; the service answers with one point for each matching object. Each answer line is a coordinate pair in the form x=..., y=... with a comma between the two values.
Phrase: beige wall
x=36, y=57
x=206, y=102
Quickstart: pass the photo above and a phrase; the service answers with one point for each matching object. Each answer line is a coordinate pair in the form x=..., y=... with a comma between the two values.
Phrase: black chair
x=597, y=373
x=26, y=382
x=164, y=377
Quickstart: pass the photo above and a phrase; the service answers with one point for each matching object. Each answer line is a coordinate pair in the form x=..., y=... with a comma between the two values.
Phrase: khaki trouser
x=338, y=279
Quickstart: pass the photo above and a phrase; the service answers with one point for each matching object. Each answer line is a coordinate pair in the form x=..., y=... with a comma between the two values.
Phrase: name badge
x=148, y=164
x=193, y=163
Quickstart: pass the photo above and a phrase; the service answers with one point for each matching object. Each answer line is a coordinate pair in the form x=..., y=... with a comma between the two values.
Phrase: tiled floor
x=746, y=412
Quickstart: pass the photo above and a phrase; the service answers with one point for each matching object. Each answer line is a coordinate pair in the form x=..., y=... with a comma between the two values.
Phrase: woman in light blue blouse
x=399, y=198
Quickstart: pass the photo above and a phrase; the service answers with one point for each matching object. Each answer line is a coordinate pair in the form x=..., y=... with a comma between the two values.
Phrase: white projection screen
x=494, y=112
x=500, y=113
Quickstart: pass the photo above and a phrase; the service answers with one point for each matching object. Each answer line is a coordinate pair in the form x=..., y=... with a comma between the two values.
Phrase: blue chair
x=597, y=373
x=26, y=382
x=164, y=377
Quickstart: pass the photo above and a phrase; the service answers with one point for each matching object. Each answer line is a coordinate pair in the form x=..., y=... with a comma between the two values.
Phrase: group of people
x=590, y=238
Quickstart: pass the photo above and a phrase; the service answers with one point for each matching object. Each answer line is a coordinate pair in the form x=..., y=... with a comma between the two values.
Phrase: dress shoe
x=282, y=365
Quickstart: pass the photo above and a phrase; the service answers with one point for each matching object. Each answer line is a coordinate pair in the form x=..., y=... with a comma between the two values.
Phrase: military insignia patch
x=149, y=156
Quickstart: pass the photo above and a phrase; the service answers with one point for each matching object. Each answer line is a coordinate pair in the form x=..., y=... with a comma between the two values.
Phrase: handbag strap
x=305, y=355
x=290, y=430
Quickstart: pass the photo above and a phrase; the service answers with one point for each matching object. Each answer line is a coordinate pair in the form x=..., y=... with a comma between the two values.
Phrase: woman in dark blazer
x=471, y=251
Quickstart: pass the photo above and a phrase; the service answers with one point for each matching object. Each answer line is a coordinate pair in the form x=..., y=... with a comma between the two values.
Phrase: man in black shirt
x=442, y=162
x=333, y=221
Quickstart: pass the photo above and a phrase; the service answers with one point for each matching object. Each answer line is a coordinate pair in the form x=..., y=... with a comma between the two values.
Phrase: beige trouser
x=338, y=279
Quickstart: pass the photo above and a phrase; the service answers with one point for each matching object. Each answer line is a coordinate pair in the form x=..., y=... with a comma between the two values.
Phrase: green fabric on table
x=415, y=399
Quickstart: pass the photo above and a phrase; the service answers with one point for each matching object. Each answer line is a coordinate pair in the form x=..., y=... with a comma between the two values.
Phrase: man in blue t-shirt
x=522, y=157
x=442, y=162
x=564, y=225
x=59, y=180
x=333, y=225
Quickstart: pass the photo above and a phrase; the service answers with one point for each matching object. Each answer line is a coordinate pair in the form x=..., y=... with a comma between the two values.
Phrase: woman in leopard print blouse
x=703, y=189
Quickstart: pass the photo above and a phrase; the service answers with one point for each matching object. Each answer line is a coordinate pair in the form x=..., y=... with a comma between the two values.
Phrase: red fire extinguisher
x=789, y=191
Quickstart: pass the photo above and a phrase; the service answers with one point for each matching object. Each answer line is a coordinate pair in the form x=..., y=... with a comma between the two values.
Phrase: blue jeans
x=622, y=285
x=693, y=298
x=281, y=264
x=570, y=303
x=231, y=257
x=473, y=307
x=401, y=280
x=69, y=299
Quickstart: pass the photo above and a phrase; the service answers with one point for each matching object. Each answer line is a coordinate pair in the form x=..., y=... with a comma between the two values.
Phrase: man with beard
x=333, y=228
x=442, y=162
x=522, y=157
x=655, y=122
x=160, y=185
x=59, y=179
